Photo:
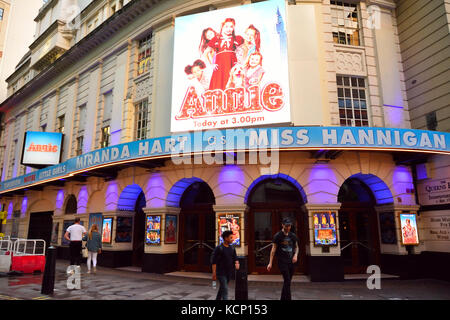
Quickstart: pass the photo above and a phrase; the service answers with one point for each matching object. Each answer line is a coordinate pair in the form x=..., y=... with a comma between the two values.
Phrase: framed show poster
x=55, y=230
x=124, y=229
x=325, y=228
x=170, y=234
x=408, y=225
x=107, y=230
x=153, y=230
x=96, y=218
x=230, y=222
x=387, y=228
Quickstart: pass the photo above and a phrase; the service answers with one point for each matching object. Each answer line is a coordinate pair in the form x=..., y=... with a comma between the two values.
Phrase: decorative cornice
x=388, y=4
x=230, y=208
x=323, y=206
x=162, y=210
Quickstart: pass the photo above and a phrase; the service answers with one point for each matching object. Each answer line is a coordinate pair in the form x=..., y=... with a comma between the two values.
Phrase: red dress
x=225, y=58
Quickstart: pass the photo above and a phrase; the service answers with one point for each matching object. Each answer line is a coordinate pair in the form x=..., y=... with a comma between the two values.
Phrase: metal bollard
x=241, y=289
x=48, y=281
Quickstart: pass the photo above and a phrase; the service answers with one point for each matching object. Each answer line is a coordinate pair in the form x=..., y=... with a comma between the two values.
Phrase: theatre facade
x=168, y=122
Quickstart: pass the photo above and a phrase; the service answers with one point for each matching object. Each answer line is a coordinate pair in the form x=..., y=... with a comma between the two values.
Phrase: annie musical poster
x=230, y=68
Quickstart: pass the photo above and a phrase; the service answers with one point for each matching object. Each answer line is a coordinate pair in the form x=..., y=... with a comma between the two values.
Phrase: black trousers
x=75, y=253
x=287, y=270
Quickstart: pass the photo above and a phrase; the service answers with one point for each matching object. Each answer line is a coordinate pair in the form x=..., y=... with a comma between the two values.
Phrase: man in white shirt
x=76, y=233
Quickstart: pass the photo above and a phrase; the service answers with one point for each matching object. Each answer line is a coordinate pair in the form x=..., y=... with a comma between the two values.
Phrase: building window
x=144, y=53
x=1, y=13
x=352, y=101
x=79, y=150
x=141, y=120
x=82, y=118
x=107, y=108
x=345, y=25
x=60, y=127
x=44, y=128
x=106, y=134
x=431, y=121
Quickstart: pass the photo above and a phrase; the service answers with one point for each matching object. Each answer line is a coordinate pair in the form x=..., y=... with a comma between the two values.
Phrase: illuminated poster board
x=171, y=229
x=124, y=229
x=387, y=228
x=325, y=228
x=230, y=222
x=96, y=218
x=107, y=230
x=231, y=68
x=408, y=225
x=153, y=232
x=41, y=148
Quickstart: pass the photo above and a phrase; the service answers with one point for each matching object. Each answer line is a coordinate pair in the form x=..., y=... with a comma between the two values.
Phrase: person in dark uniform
x=285, y=247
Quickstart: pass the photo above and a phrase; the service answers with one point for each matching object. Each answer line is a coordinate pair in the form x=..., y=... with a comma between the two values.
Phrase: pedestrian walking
x=75, y=234
x=94, y=247
x=283, y=245
x=224, y=260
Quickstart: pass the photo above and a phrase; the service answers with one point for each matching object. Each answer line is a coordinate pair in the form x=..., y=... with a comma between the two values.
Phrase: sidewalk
x=113, y=284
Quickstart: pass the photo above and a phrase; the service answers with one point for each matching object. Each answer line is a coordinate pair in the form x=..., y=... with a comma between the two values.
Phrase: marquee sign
x=231, y=68
x=231, y=140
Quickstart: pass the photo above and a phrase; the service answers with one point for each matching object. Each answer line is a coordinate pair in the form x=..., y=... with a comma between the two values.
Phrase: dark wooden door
x=138, y=238
x=197, y=239
x=358, y=229
x=264, y=223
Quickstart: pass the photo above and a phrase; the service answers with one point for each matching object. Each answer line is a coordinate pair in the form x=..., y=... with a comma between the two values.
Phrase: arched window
x=275, y=191
x=354, y=190
x=198, y=193
x=71, y=205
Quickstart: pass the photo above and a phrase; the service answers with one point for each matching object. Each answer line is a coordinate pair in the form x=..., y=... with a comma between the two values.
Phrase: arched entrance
x=197, y=227
x=271, y=199
x=358, y=224
x=132, y=198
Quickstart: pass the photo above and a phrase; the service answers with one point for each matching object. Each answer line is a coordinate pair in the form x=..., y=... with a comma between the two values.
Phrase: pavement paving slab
x=127, y=284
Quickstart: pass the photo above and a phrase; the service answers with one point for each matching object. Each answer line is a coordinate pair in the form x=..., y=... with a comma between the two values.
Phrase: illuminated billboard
x=230, y=68
x=41, y=148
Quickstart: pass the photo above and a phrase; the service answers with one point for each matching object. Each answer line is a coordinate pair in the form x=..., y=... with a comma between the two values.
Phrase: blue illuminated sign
x=230, y=140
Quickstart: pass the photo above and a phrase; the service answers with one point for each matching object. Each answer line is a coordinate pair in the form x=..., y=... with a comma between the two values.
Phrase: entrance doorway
x=139, y=232
x=270, y=202
x=40, y=226
x=197, y=228
x=132, y=199
x=358, y=227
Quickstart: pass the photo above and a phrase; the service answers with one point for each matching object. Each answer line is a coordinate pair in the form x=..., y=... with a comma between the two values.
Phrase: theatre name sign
x=434, y=192
x=232, y=140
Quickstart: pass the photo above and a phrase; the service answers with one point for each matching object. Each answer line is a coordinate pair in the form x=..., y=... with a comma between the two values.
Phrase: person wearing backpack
x=224, y=260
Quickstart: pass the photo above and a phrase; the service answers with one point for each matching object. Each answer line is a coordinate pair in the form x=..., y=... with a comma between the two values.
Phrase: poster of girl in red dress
x=230, y=68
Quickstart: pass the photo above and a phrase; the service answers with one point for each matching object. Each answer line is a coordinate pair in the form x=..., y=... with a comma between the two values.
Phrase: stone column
x=324, y=263
x=162, y=258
